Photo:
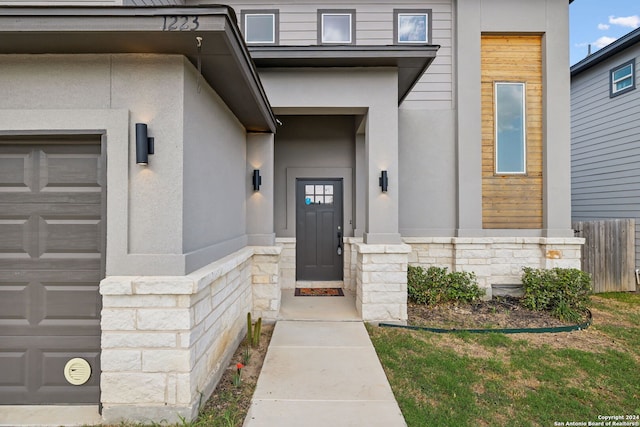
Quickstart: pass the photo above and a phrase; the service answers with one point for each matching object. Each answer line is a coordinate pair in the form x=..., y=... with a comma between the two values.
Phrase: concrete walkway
x=320, y=373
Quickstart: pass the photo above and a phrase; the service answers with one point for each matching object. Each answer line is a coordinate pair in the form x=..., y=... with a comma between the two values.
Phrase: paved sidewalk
x=322, y=374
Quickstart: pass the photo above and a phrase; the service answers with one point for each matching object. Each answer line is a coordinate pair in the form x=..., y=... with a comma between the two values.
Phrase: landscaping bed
x=499, y=312
x=229, y=402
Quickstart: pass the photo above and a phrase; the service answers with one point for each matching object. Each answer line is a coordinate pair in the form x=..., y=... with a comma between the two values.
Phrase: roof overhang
x=411, y=61
x=607, y=52
x=225, y=61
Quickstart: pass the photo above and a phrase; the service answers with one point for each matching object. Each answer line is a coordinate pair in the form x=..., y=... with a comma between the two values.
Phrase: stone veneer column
x=166, y=340
x=381, y=282
x=287, y=265
x=266, y=282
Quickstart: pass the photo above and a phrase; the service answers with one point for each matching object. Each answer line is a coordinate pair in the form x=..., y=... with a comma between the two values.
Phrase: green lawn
x=519, y=380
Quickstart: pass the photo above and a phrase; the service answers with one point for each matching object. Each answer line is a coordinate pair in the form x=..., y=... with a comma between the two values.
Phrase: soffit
x=225, y=61
x=411, y=61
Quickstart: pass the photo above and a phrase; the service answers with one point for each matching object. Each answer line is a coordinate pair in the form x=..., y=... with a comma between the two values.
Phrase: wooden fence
x=609, y=253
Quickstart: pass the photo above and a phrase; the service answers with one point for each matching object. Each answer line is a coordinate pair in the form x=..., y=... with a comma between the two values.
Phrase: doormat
x=319, y=292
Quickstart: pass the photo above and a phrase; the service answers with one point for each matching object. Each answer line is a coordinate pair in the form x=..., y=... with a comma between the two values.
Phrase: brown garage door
x=51, y=262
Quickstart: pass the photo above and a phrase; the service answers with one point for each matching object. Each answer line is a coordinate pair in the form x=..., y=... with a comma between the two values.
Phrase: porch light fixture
x=257, y=180
x=384, y=181
x=144, y=144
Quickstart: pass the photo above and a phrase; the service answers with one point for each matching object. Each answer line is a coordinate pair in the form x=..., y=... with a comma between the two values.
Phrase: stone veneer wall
x=287, y=264
x=167, y=340
x=496, y=260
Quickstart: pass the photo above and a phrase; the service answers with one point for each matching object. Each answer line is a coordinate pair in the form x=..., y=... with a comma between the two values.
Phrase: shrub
x=562, y=291
x=436, y=286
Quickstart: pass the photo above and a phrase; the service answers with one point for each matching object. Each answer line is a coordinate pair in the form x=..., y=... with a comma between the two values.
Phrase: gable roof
x=606, y=52
x=225, y=61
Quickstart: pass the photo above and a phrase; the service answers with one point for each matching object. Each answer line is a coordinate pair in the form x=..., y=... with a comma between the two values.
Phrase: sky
x=599, y=23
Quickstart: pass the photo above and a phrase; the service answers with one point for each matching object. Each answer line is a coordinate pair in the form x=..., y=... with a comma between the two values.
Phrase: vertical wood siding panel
x=512, y=201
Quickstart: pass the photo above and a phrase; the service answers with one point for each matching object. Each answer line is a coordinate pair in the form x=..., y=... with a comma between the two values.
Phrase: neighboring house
x=605, y=134
x=340, y=143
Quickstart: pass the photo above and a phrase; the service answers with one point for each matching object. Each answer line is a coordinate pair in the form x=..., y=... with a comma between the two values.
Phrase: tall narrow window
x=260, y=26
x=411, y=26
x=336, y=26
x=623, y=78
x=510, y=123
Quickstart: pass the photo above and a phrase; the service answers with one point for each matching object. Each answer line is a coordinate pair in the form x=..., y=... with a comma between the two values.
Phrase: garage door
x=51, y=262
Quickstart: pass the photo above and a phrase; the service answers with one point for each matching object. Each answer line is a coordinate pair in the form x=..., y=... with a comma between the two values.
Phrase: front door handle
x=339, y=249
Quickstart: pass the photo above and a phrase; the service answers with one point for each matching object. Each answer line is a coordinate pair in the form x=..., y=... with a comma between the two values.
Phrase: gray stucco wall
x=214, y=185
x=605, y=180
x=313, y=144
x=352, y=92
x=427, y=172
x=81, y=82
x=140, y=83
x=152, y=229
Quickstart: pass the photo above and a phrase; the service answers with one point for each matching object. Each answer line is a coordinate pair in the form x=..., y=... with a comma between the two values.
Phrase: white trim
x=524, y=127
x=614, y=81
x=273, y=28
x=426, y=28
x=350, y=15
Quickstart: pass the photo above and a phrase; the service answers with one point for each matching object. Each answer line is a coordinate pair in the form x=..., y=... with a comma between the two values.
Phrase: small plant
x=253, y=331
x=237, y=377
x=562, y=291
x=230, y=419
x=246, y=355
x=436, y=286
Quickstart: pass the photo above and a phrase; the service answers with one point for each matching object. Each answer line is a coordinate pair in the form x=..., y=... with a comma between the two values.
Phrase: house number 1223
x=180, y=23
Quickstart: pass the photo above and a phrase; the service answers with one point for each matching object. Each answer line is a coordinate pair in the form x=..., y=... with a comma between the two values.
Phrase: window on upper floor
x=622, y=78
x=260, y=26
x=336, y=26
x=510, y=127
x=411, y=26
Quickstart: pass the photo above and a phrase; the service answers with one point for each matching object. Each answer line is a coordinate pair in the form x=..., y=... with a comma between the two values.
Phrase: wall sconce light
x=384, y=181
x=257, y=180
x=144, y=144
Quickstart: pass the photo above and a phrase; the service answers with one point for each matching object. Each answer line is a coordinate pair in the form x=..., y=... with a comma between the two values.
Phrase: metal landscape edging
x=569, y=328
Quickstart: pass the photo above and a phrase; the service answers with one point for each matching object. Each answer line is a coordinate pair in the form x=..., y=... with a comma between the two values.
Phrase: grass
x=524, y=380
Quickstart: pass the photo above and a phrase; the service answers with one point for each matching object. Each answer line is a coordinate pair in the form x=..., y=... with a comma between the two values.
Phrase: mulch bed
x=227, y=396
x=502, y=312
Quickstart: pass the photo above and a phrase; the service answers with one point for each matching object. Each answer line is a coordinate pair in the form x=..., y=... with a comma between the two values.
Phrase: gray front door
x=51, y=262
x=319, y=229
